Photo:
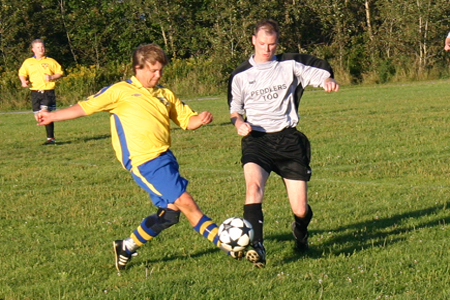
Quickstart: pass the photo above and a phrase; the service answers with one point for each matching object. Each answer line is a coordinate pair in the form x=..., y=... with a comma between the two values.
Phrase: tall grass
x=380, y=194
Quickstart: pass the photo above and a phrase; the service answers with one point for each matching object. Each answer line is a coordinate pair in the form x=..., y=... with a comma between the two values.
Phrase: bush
x=12, y=95
x=82, y=81
x=194, y=77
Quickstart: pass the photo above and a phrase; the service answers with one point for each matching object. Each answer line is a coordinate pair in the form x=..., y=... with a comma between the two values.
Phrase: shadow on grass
x=181, y=257
x=85, y=139
x=347, y=240
x=352, y=238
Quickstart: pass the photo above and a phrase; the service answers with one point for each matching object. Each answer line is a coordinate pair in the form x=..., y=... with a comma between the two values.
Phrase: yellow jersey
x=140, y=119
x=36, y=69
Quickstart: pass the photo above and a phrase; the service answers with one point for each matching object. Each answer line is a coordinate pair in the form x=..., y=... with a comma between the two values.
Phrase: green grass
x=380, y=193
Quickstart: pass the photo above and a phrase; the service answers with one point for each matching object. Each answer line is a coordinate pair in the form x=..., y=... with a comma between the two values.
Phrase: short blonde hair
x=150, y=53
x=37, y=41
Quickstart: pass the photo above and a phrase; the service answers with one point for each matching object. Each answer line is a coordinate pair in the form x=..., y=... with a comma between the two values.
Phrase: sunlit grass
x=380, y=193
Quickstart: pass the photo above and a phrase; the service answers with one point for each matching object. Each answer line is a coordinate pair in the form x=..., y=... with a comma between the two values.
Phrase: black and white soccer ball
x=235, y=234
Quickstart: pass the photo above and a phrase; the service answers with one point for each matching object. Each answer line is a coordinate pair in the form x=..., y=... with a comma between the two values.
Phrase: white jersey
x=268, y=94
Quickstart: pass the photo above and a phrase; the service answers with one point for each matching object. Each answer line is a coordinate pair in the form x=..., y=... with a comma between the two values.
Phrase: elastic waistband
x=41, y=91
x=282, y=132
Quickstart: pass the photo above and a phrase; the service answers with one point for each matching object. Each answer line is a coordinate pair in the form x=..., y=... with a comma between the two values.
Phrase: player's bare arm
x=52, y=77
x=202, y=118
x=447, y=44
x=242, y=127
x=73, y=112
x=330, y=85
x=24, y=82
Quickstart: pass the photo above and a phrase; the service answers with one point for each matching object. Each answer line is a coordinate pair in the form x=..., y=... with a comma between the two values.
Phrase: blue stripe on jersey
x=102, y=90
x=123, y=144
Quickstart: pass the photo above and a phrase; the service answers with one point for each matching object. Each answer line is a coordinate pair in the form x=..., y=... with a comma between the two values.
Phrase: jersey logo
x=45, y=65
x=163, y=101
x=136, y=95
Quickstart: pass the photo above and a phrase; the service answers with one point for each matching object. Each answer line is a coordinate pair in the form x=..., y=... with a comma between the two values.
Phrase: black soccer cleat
x=50, y=141
x=121, y=255
x=301, y=238
x=257, y=255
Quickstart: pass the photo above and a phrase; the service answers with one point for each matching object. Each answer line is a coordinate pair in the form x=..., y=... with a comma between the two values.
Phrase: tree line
x=365, y=40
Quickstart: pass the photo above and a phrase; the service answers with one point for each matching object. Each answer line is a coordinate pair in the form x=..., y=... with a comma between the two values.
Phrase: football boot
x=121, y=256
x=301, y=238
x=257, y=255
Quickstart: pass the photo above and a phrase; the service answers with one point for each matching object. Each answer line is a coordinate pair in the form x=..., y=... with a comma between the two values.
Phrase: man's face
x=38, y=50
x=265, y=46
x=150, y=74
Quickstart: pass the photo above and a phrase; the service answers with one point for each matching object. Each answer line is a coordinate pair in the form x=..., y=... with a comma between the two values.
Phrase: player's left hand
x=205, y=117
x=330, y=85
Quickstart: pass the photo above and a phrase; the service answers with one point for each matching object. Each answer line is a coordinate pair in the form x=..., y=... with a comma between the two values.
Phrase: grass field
x=380, y=193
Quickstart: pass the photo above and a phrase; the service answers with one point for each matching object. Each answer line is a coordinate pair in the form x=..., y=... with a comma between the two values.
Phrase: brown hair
x=269, y=26
x=150, y=53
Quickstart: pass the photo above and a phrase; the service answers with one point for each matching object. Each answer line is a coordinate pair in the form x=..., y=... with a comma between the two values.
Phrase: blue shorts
x=161, y=179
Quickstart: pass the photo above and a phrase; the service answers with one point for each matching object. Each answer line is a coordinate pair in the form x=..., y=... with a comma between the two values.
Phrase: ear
x=254, y=40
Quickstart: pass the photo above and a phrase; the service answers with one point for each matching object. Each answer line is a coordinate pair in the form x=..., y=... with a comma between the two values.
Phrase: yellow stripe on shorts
x=144, y=180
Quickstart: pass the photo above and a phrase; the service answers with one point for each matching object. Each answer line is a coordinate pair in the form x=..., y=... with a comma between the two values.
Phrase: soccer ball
x=235, y=234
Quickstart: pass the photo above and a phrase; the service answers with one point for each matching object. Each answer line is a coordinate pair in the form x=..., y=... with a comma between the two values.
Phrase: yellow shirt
x=36, y=69
x=140, y=119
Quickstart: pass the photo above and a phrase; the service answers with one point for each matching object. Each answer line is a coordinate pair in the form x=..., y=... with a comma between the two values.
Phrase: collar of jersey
x=263, y=66
x=138, y=84
x=43, y=57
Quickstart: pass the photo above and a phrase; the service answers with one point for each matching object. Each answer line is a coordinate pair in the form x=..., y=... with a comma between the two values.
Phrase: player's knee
x=186, y=204
x=168, y=217
x=255, y=191
x=304, y=212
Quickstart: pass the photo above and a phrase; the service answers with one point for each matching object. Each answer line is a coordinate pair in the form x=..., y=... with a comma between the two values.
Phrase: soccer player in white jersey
x=264, y=95
x=140, y=115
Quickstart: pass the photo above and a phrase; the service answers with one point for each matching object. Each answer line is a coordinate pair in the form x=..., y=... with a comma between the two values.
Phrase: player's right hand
x=244, y=129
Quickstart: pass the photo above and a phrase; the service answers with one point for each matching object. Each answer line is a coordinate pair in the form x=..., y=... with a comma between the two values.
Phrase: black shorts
x=287, y=153
x=43, y=100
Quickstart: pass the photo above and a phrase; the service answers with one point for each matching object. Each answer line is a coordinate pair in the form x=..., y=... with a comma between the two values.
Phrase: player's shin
x=151, y=227
x=253, y=213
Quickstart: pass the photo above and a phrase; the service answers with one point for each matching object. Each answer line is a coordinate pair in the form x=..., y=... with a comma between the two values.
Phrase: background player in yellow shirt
x=39, y=73
x=140, y=114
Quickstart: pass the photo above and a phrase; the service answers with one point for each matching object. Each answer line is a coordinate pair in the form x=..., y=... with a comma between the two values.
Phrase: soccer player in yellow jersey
x=39, y=73
x=140, y=114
